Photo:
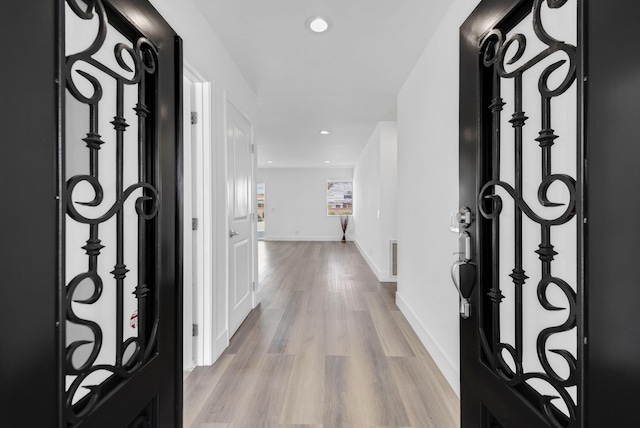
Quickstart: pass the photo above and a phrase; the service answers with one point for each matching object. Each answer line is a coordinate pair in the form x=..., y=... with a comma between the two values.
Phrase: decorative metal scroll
x=132, y=353
x=494, y=50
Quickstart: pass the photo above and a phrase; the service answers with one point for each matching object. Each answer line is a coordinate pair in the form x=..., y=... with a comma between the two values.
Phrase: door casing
x=201, y=168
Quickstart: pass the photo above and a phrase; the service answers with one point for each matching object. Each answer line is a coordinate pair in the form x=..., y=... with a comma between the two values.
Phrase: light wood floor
x=327, y=347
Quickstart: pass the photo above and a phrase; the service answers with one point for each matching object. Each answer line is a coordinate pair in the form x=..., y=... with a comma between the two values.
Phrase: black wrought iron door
x=520, y=175
x=120, y=229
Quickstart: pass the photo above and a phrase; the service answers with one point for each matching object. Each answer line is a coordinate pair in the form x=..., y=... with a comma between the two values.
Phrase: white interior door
x=240, y=188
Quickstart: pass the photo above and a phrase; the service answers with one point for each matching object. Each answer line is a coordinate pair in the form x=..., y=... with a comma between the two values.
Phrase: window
x=339, y=197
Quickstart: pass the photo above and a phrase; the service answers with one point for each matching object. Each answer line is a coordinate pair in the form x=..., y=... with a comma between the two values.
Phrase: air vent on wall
x=394, y=257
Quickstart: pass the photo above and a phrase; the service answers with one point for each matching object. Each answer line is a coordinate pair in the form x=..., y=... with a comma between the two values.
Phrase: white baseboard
x=258, y=296
x=304, y=238
x=446, y=366
x=222, y=342
x=382, y=276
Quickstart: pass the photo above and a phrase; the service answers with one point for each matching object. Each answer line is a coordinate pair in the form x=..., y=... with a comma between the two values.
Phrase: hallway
x=327, y=347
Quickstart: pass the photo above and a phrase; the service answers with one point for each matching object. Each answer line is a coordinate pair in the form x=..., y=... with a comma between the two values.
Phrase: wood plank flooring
x=326, y=348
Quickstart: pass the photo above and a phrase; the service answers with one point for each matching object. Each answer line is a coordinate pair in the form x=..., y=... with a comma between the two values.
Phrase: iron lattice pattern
x=503, y=61
x=86, y=81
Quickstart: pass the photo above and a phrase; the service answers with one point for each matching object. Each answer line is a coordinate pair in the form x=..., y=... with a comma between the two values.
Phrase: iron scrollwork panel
x=112, y=200
x=509, y=59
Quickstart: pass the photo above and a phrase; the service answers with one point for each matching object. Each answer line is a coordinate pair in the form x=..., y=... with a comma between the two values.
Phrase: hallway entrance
x=327, y=345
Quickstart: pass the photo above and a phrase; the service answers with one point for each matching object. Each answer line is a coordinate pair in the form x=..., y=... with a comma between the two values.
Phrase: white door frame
x=201, y=172
x=252, y=198
x=188, y=357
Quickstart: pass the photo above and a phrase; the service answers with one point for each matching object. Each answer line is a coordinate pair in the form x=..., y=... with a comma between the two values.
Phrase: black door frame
x=613, y=150
x=29, y=215
x=478, y=384
x=32, y=292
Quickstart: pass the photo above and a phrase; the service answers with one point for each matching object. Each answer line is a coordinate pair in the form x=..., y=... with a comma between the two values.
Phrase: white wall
x=206, y=54
x=296, y=203
x=428, y=192
x=388, y=190
x=375, y=187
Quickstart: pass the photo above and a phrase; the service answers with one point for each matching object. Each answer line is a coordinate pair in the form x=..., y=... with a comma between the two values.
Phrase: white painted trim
x=205, y=215
x=382, y=276
x=254, y=218
x=188, y=341
x=198, y=165
x=446, y=366
x=304, y=238
x=221, y=343
x=224, y=266
x=208, y=230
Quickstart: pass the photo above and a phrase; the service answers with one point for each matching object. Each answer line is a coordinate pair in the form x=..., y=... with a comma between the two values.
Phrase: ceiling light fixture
x=318, y=24
x=269, y=161
x=327, y=161
x=325, y=132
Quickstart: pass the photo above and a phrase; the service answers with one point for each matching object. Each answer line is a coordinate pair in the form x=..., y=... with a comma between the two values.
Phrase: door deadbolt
x=465, y=217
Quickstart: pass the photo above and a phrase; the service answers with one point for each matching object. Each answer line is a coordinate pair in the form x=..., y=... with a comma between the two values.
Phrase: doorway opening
x=260, y=210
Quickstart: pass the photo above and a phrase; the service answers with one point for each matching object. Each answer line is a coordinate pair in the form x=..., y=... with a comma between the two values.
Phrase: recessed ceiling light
x=327, y=161
x=318, y=24
x=269, y=161
x=325, y=132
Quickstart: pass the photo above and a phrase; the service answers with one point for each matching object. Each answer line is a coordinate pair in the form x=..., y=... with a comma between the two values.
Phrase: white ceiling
x=345, y=80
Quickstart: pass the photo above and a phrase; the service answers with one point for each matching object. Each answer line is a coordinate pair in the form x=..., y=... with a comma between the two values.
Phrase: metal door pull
x=465, y=305
x=233, y=233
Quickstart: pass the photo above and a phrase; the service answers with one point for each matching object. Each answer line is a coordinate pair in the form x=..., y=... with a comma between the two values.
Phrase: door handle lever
x=465, y=305
x=233, y=233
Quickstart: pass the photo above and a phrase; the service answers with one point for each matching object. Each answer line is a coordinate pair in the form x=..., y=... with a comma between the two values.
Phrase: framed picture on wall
x=339, y=197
